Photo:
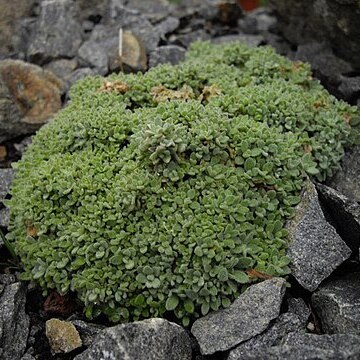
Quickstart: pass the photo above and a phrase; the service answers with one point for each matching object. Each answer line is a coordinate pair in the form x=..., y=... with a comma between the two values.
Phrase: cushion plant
x=160, y=192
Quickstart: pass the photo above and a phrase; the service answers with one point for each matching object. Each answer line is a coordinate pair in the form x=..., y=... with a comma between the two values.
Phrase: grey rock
x=152, y=339
x=324, y=63
x=345, y=214
x=80, y=74
x=154, y=10
x=29, y=97
x=27, y=357
x=91, y=9
x=298, y=307
x=14, y=323
x=338, y=305
x=57, y=32
x=171, y=54
x=283, y=325
x=224, y=329
x=6, y=178
x=23, y=144
x=311, y=347
x=94, y=54
x=167, y=26
x=197, y=35
x=333, y=20
x=345, y=180
x=7, y=279
x=135, y=22
x=315, y=248
x=11, y=16
x=4, y=219
x=250, y=40
x=257, y=21
x=87, y=331
x=350, y=88
x=62, y=68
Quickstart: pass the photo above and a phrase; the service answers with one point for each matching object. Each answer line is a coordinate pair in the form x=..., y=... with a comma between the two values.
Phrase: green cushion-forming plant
x=158, y=192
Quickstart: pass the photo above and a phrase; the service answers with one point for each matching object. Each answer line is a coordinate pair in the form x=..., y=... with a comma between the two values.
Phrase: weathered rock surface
x=283, y=325
x=11, y=15
x=131, y=20
x=62, y=335
x=250, y=40
x=14, y=323
x=345, y=180
x=315, y=248
x=325, y=65
x=57, y=32
x=167, y=26
x=4, y=219
x=62, y=68
x=29, y=97
x=87, y=331
x=298, y=307
x=152, y=339
x=171, y=54
x=101, y=51
x=224, y=329
x=335, y=20
x=154, y=10
x=337, y=303
x=311, y=347
x=345, y=214
x=6, y=177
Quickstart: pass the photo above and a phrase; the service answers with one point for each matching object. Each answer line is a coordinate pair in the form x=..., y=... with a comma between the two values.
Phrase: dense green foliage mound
x=159, y=192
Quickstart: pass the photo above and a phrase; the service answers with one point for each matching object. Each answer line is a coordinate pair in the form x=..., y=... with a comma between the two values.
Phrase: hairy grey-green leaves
x=144, y=207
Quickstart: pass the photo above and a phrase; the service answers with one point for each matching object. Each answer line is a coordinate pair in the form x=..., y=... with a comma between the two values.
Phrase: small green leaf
x=172, y=302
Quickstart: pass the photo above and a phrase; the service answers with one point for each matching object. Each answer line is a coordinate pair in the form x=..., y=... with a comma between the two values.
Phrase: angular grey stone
x=87, y=331
x=4, y=219
x=345, y=214
x=14, y=323
x=79, y=74
x=337, y=303
x=324, y=63
x=186, y=39
x=133, y=21
x=27, y=357
x=57, y=32
x=93, y=53
x=345, y=180
x=350, y=88
x=224, y=329
x=332, y=20
x=62, y=68
x=315, y=248
x=152, y=339
x=257, y=21
x=171, y=54
x=167, y=26
x=250, y=40
x=298, y=307
x=311, y=347
x=154, y=10
x=272, y=336
x=6, y=178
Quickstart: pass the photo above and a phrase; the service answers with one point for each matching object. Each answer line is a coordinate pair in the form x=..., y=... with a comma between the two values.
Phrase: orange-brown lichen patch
x=37, y=93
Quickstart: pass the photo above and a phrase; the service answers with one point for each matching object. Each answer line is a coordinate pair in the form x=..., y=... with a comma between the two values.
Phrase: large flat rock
x=337, y=303
x=224, y=329
x=152, y=339
x=315, y=248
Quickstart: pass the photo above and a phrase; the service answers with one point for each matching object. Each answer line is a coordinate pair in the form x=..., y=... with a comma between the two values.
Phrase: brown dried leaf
x=161, y=93
x=31, y=231
x=118, y=86
x=258, y=274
